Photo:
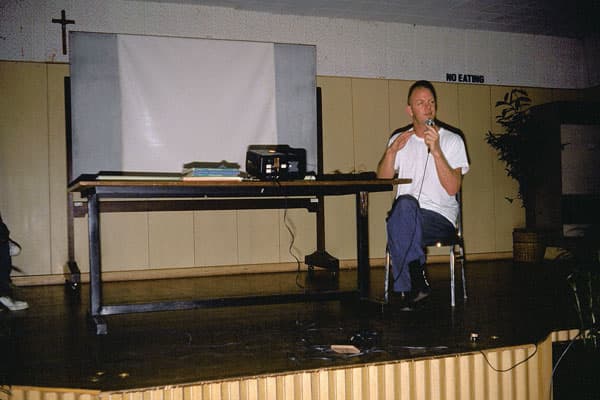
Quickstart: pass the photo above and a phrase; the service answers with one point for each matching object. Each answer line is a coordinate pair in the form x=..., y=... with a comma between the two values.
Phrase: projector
x=275, y=162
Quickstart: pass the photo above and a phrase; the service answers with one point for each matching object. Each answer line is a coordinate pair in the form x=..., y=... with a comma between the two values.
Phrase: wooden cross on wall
x=64, y=22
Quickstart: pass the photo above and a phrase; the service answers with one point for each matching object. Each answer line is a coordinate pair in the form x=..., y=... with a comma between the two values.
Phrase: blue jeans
x=410, y=229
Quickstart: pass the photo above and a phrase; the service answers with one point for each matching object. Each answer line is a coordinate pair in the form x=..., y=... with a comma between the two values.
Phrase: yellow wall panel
x=398, y=91
x=370, y=118
x=474, y=121
x=215, y=237
x=479, y=228
x=124, y=241
x=24, y=161
x=447, y=111
x=340, y=227
x=475, y=116
x=338, y=145
x=170, y=239
x=258, y=236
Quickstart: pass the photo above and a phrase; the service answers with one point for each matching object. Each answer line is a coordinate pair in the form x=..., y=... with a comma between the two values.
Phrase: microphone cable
x=423, y=177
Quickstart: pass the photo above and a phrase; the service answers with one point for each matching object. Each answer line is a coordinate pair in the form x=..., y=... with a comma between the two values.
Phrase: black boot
x=401, y=301
x=420, y=285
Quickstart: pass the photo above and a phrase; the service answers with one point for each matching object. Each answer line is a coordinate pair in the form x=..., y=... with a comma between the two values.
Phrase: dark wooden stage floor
x=50, y=345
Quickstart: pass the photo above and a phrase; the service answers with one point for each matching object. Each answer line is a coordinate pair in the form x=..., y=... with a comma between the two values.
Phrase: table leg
x=95, y=278
x=362, y=243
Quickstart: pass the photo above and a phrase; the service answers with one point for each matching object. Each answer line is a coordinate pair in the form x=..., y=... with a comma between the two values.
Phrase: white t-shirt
x=411, y=162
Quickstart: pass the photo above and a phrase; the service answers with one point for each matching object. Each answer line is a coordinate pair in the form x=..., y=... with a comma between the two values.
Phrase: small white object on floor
x=13, y=305
x=345, y=349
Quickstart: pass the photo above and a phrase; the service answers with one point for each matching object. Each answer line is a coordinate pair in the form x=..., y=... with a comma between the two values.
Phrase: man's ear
x=409, y=111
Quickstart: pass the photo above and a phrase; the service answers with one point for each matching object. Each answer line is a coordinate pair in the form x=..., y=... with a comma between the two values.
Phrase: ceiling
x=573, y=19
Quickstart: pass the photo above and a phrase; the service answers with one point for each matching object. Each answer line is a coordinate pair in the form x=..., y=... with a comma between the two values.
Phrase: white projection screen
x=153, y=103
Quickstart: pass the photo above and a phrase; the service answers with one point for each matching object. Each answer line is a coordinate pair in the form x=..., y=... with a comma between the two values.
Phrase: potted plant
x=516, y=147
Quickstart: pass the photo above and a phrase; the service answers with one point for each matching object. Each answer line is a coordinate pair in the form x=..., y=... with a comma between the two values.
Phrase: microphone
x=429, y=122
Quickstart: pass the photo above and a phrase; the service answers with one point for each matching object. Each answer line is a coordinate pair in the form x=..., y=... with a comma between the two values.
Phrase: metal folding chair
x=457, y=254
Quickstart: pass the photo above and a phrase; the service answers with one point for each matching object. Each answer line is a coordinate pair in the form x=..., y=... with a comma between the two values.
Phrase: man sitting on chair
x=425, y=210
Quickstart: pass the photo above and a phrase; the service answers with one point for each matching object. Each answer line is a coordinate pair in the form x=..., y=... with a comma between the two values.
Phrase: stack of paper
x=204, y=170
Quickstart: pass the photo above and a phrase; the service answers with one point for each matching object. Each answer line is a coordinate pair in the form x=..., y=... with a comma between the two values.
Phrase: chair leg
x=386, y=279
x=452, y=301
x=462, y=269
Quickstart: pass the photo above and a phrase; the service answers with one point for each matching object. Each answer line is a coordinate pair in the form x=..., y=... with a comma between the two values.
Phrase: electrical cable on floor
x=363, y=342
x=511, y=367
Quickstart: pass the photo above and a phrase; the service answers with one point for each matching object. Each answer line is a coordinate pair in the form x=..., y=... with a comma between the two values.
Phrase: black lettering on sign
x=466, y=78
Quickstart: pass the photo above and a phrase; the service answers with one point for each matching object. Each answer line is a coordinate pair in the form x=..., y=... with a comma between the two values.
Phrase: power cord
x=555, y=367
x=291, y=246
x=565, y=352
x=292, y=235
x=511, y=367
x=364, y=342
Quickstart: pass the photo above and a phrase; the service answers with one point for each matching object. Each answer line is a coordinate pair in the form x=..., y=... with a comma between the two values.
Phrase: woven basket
x=528, y=246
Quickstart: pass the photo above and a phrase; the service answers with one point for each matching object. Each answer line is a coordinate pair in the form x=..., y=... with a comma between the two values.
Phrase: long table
x=144, y=195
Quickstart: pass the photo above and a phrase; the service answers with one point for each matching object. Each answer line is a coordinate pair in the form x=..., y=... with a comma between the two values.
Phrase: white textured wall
x=344, y=47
